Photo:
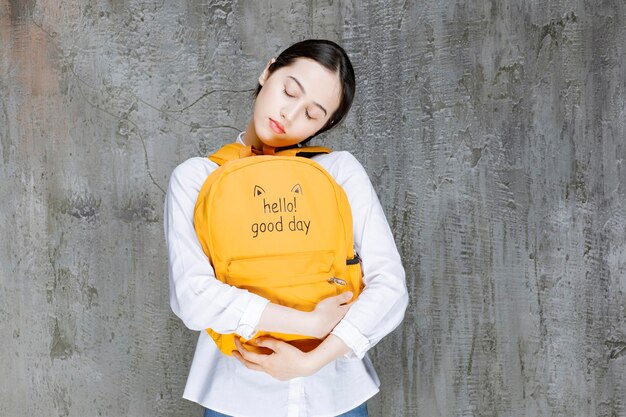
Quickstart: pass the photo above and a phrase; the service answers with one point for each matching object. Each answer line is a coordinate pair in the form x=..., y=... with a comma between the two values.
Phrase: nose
x=288, y=113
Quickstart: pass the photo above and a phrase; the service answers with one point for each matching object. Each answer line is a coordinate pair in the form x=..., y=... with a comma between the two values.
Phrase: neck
x=250, y=137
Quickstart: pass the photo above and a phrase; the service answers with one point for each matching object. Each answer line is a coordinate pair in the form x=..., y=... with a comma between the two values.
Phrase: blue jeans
x=360, y=411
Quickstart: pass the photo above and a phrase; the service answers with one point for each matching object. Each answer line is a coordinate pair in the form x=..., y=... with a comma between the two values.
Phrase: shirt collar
x=240, y=138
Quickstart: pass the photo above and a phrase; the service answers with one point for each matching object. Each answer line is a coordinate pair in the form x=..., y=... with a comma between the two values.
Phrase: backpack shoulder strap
x=306, y=151
x=231, y=152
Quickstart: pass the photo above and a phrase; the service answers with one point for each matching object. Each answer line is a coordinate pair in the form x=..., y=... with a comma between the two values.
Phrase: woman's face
x=295, y=102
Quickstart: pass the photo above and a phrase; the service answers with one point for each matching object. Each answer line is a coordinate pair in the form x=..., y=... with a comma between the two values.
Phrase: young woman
x=306, y=90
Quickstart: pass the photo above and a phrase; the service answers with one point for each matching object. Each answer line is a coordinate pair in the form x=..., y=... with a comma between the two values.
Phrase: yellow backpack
x=278, y=226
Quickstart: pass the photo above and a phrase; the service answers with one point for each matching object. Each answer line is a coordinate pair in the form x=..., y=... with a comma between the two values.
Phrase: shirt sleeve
x=198, y=298
x=380, y=307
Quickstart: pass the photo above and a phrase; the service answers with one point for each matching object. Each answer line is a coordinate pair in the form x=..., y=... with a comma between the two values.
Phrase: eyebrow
x=304, y=92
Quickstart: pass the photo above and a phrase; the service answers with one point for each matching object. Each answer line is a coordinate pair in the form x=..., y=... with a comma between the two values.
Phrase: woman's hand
x=285, y=363
x=327, y=314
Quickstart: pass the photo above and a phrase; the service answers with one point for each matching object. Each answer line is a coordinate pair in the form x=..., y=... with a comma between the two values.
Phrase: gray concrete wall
x=494, y=132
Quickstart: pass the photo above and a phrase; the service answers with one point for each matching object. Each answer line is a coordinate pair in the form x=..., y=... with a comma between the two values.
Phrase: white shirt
x=221, y=382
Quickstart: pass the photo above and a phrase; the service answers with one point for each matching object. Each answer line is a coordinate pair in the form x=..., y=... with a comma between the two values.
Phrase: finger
x=343, y=309
x=238, y=356
x=243, y=352
x=249, y=356
x=271, y=343
x=247, y=364
x=345, y=297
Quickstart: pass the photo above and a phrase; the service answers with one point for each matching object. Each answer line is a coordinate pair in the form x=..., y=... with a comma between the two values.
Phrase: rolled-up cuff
x=353, y=338
x=251, y=316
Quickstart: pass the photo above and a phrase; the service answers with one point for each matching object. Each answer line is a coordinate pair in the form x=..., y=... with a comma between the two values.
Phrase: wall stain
x=20, y=10
x=82, y=207
x=514, y=73
x=554, y=29
x=476, y=155
x=5, y=137
x=62, y=402
x=139, y=208
x=522, y=366
x=59, y=284
x=90, y=292
x=470, y=361
x=61, y=347
x=617, y=348
x=66, y=286
x=577, y=184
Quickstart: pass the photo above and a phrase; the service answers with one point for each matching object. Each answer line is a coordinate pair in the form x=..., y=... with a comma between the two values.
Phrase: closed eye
x=306, y=112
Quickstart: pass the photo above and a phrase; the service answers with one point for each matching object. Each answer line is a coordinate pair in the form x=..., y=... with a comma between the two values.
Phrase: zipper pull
x=335, y=280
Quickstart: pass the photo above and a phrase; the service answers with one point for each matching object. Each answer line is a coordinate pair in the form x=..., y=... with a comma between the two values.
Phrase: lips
x=276, y=127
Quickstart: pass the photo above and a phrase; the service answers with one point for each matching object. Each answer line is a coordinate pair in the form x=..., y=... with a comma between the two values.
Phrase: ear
x=266, y=71
x=296, y=189
x=258, y=190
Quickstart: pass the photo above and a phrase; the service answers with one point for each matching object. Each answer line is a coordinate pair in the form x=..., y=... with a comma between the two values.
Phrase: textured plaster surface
x=493, y=131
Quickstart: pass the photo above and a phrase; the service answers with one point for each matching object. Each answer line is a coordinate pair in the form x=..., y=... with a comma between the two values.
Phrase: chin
x=269, y=138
